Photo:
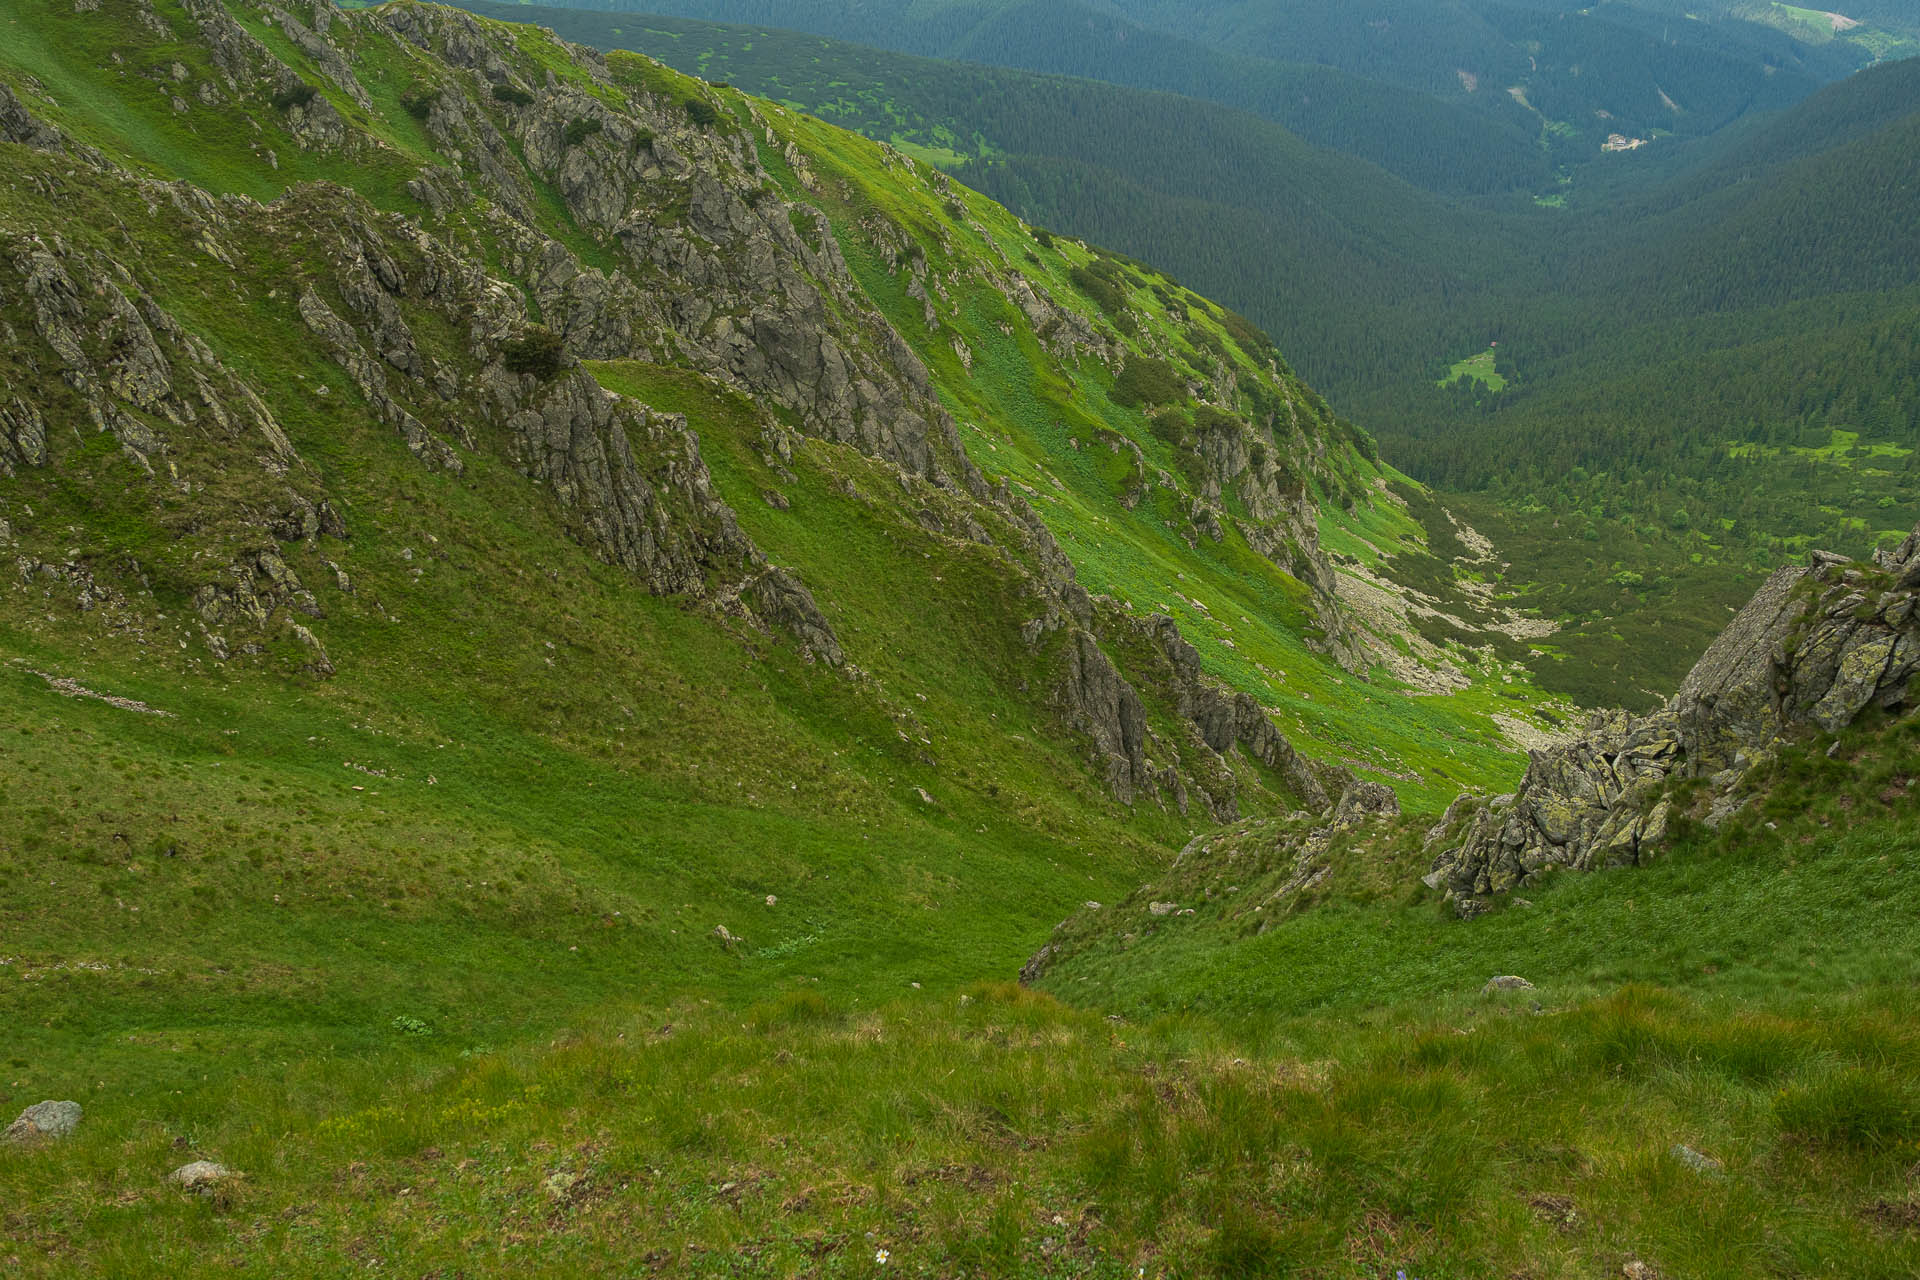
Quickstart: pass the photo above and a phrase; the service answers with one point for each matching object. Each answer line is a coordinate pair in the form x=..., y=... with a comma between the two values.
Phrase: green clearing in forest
x=1476, y=368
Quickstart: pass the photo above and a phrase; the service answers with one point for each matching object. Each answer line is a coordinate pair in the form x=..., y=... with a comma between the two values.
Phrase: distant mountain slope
x=1566, y=76
x=1441, y=146
x=1800, y=246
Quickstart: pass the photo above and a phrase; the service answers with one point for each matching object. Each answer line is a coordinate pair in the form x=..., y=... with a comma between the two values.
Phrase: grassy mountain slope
x=481, y=517
x=1670, y=387
x=377, y=683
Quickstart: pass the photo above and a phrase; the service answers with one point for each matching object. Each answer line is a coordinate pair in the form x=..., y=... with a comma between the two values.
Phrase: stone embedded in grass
x=1162, y=908
x=42, y=1122
x=200, y=1176
x=728, y=938
x=1694, y=1160
x=1506, y=982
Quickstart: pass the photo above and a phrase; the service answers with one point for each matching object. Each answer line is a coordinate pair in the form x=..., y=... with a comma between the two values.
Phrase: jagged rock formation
x=780, y=599
x=1212, y=725
x=714, y=272
x=1221, y=721
x=1816, y=646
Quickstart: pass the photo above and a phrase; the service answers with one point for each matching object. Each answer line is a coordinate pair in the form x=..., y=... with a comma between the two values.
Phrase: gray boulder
x=201, y=1176
x=42, y=1122
x=1694, y=1160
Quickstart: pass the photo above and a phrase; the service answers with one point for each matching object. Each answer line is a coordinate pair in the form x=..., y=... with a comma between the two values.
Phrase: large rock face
x=1814, y=648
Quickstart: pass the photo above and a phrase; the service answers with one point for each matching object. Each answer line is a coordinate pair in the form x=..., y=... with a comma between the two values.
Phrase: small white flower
x=881, y=1256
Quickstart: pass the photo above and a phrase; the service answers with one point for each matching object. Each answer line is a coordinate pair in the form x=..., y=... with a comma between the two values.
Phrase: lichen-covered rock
x=200, y=1177
x=1815, y=647
x=1365, y=800
x=42, y=1122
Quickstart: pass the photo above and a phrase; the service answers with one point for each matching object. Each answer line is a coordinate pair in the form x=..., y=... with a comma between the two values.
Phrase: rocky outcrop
x=1092, y=698
x=1210, y=723
x=713, y=272
x=1222, y=718
x=666, y=525
x=1815, y=647
x=17, y=124
x=1254, y=871
x=779, y=599
x=86, y=342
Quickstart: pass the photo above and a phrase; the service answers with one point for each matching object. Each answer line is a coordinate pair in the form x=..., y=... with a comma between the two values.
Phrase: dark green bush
x=1109, y=296
x=580, y=128
x=1170, y=427
x=1362, y=442
x=1043, y=237
x=512, y=94
x=701, y=112
x=540, y=352
x=419, y=101
x=297, y=94
x=1208, y=418
x=1146, y=381
x=807, y=227
x=1243, y=331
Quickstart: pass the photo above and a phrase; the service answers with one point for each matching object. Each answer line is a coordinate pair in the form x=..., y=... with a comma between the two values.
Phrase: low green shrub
x=298, y=94
x=538, y=351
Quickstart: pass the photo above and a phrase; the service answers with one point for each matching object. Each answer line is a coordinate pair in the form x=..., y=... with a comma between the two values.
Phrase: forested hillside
x=1563, y=76
x=1740, y=314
